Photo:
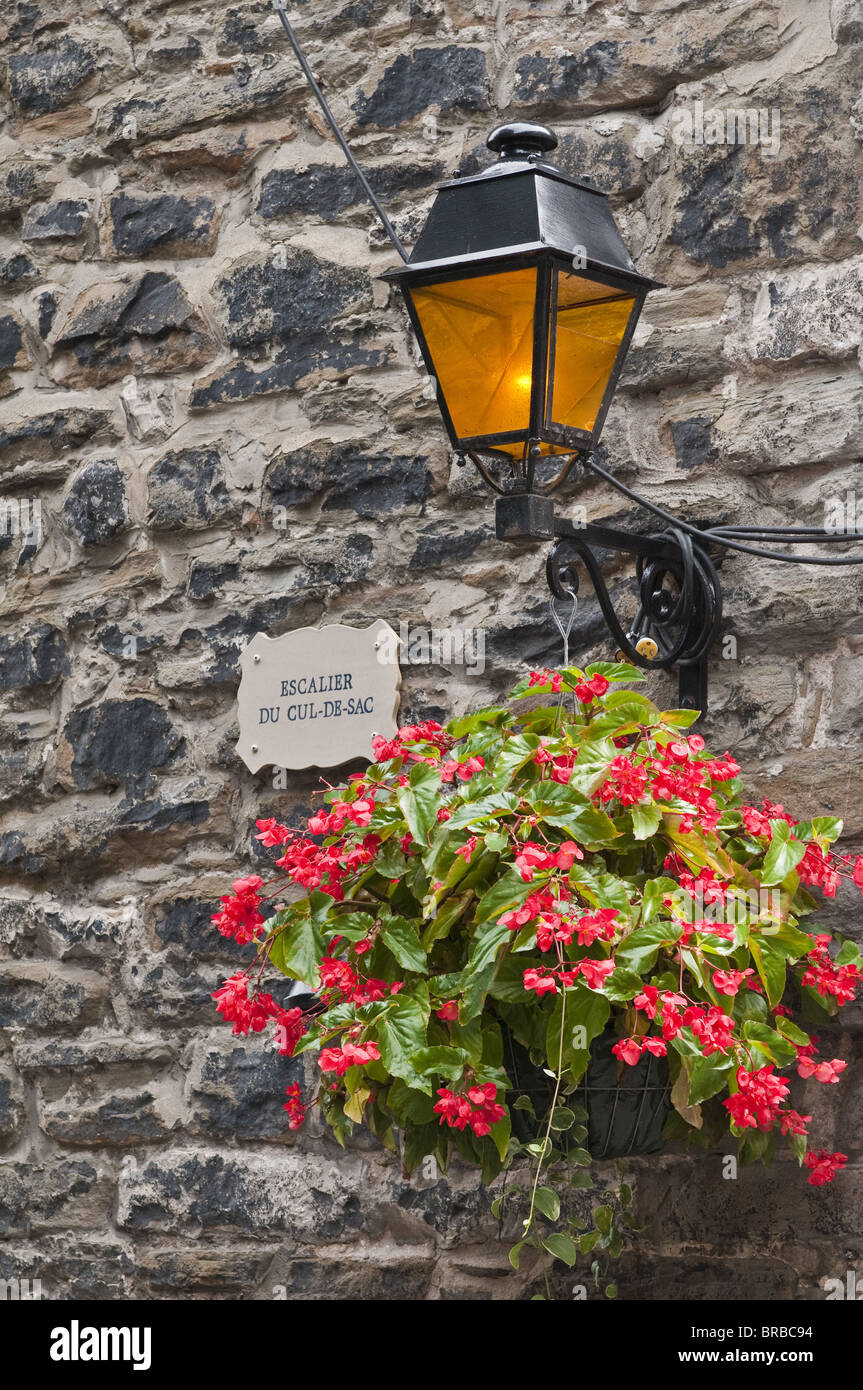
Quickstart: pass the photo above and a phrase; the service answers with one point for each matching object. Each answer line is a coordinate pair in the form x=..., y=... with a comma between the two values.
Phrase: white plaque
x=317, y=696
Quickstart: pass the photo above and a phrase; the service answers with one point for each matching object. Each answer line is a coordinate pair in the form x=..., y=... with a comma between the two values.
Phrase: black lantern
x=524, y=301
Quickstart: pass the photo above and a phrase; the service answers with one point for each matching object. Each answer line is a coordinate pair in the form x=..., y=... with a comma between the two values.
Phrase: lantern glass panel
x=587, y=330
x=479, y=333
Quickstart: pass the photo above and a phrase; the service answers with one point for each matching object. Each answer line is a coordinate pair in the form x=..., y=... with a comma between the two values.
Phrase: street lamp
x=524, y=301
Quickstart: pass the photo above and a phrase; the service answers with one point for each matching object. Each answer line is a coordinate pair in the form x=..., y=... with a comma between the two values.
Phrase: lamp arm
x=279, y=7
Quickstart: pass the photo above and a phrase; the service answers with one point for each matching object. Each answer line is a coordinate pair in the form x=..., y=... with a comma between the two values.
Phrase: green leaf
x=515, y=1253
x=645, y=821
x=469, y=723
x=448, y=1062
x=297, y=949
x=639, y=950
x=400, y=936
x=420, y=801
x=655, y=889
x=516, y=751
x=401, y=1033
x=547, y=1201
x=508, y=891
x=586, y=1015
x=498, y=803
x=354, y=926
x=500, y=1135
x=771, y=964
x=849, y=954
x=615, y=671
x=781, y=858
x=508, y=983
x=826, y=828
x=603, y=1217
x=790, y=1031
x=446, y=914
x=679, y=718
x=562, y=1118
x=707, y=1076
x=769, y=1043
x=487, y=942
x=419, y=1141
x=496, y=844
x=562, y=1247
x=524, y=1103
x=410, y=1105
x=589, y=826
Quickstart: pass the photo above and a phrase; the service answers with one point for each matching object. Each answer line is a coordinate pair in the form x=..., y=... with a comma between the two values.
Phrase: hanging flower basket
x=580, y=878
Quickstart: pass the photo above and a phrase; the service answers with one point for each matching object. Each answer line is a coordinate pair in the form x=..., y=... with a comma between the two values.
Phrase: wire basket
x=627, y=1106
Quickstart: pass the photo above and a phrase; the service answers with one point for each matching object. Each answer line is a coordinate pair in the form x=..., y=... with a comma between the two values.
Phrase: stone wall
x=212, y=423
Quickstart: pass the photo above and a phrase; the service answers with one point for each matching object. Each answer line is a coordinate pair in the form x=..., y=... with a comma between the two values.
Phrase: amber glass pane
x=480, y=336
x=591, y=322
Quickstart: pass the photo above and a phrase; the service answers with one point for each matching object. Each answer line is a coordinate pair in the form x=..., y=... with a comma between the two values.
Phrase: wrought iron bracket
x=679, y=593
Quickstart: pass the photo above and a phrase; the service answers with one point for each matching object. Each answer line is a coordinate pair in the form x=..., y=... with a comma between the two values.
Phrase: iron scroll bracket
x=679, y=597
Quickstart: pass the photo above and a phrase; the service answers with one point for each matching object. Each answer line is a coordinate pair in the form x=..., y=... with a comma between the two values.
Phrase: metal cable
x=725, y=536
x=279, y=7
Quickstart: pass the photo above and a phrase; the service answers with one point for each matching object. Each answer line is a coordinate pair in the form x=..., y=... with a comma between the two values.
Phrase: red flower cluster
x=629, y=1050
x=823, y=1166
x=290, y=1027
x=757, y=822
x=240, y=917
x=593, y=972
x=344, y=985
x=272, y=832
x=757, y=1101
x=707, y=886
x=561, y=763
x=839, y=980
x=233, y=1003
x=294, y=1106
x=585, y=929
x=448, y=1012
x=591, y=689
x=478, y=1109
x=678, y=778
x=553, y=678
x=339, y=1059
x=816, y=869
x=728, y=981
x=532, y=857
x=828, y=1072
x=626, y=782
x=713, y=1029
x=463, y=771
x=430, y=732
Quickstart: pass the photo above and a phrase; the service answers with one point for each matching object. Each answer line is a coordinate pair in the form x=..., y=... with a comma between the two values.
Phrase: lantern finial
x=521, y=140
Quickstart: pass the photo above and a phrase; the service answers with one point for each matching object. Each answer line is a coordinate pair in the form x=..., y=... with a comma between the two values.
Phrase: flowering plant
x=584, y=865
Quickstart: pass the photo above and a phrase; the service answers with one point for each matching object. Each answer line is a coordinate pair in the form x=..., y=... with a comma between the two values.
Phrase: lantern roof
x=522, y=205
